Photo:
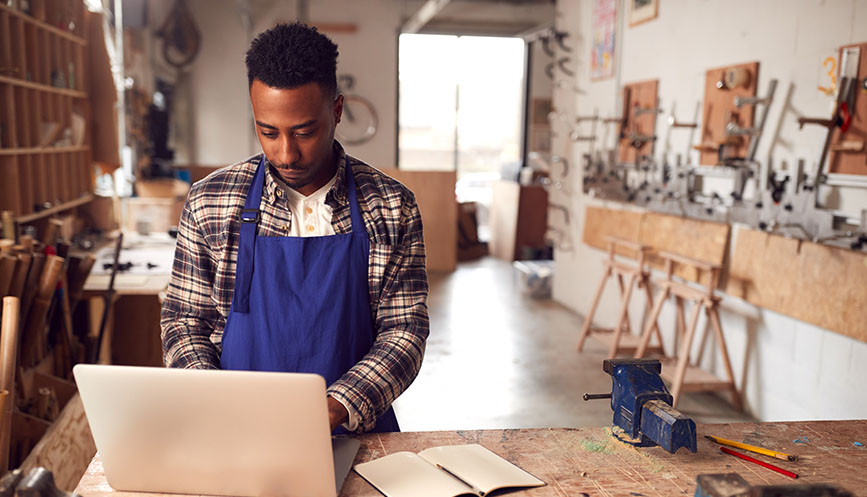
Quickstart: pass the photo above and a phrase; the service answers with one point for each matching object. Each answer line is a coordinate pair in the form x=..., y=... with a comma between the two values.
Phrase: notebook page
x=480, y=467
x=404, y=474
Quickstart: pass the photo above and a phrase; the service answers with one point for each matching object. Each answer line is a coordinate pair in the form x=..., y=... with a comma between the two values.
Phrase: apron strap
x=247, y=241
x=354, y=209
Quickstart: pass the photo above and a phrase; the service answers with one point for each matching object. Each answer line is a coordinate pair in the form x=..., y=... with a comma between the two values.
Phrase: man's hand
x=337, y=414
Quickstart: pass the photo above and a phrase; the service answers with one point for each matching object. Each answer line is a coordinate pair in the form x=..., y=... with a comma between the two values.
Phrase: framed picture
x=602, y=48
x=642, y=10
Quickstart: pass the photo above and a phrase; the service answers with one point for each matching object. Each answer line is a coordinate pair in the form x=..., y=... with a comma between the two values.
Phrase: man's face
x=296, y=130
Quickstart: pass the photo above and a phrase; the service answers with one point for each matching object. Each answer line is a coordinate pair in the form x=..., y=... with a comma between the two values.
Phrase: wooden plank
x=66, y=448
x=849, y=162
x=435, y=194
x=641, y=95
x=5, y=42
x=591, y=461
x=506, y=197
x=719, y=108
x=600, y=222
x=822, y=285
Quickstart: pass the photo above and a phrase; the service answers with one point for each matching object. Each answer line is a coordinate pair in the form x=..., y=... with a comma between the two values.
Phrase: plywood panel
x=435, y=194
x=67, y=447
x=703, y=240
x=853, y=162
x=822, y=285
x=719, y=109
x=600, y=222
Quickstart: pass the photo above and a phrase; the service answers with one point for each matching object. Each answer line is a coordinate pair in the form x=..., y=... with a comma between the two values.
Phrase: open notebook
x=446, y=471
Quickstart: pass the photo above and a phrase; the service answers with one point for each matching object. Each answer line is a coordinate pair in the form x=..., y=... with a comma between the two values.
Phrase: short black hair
x=291, y=55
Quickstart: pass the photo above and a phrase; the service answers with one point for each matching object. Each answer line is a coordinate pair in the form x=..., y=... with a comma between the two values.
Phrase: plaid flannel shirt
x=203, y=276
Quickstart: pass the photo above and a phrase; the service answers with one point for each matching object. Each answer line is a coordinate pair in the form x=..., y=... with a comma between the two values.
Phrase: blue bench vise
x=642, y=406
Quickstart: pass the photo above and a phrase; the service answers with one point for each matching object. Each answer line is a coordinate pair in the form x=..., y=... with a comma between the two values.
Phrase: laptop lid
x=211, y=432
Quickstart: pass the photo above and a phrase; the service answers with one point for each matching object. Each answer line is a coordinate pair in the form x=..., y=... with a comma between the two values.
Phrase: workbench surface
x=589, y=461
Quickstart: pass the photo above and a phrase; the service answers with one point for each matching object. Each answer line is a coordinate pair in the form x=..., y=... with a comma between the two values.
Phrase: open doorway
x=461, y=109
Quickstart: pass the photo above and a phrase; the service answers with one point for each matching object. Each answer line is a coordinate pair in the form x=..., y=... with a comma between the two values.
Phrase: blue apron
x=301, y=304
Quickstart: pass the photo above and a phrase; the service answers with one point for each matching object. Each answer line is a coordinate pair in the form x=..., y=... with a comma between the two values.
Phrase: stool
x=689, y=377
x=638, y=274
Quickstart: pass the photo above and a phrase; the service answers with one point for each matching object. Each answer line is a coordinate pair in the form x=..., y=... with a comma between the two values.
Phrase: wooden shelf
x=44, y=25
x=44, y=150
x=29, y=218
x=40, y=87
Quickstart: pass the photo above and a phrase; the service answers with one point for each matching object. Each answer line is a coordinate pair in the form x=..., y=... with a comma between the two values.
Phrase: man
x=302, y=258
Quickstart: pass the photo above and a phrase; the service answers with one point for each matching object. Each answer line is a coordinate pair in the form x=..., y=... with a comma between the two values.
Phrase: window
x=461, y=103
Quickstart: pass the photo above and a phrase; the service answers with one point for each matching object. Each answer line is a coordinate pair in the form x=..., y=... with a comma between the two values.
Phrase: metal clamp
x=250, y=216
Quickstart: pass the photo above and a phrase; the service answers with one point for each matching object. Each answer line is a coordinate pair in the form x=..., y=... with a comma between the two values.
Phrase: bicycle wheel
x=359, y=121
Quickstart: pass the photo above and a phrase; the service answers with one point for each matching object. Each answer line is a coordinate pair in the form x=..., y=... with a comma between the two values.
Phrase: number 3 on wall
x=832, y=73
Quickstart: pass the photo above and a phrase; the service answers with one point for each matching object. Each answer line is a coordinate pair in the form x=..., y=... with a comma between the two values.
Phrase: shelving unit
x=45, y=157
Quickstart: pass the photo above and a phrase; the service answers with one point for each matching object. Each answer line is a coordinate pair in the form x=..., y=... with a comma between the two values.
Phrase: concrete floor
x=497, y=358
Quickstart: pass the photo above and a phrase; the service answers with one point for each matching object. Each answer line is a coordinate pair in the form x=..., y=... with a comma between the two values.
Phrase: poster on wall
x=602, y=56
x=642, y=11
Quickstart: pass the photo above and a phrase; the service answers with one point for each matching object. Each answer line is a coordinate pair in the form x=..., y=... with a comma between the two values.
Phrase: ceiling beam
x=424, y=14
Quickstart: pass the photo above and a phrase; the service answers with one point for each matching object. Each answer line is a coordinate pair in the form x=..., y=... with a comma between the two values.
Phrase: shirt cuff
x=352, y=423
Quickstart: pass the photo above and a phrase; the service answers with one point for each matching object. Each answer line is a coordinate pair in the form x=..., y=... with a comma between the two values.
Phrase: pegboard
x=640, y=95
x=852, y=162
x=818, y=284
x=719, y=109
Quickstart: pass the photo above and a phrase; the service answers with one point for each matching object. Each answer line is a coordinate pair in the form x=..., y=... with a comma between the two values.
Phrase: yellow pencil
x=752, y=448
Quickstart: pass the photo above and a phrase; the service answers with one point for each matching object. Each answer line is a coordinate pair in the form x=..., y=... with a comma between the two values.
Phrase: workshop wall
x=221, y=115
x=786, y=368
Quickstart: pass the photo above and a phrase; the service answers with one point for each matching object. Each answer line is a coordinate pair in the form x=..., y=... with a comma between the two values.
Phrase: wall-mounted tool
x=640, y=111
x=841, y=118
x=674, y=123
x=642, y=406
x=734, y=77
x=766, y=103
x=575, y=136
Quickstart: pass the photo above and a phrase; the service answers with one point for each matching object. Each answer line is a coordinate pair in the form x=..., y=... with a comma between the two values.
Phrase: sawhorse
x=688, y=377
x=618, y=341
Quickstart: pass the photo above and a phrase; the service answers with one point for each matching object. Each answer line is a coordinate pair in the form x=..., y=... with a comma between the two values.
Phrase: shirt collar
x=336, y=195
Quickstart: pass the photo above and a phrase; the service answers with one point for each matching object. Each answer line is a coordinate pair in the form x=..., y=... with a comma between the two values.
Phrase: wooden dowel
x=7, y=272
x=77, y=280
x=32, y=283
x=8, y=354
x=33, y=341
x=20, y=278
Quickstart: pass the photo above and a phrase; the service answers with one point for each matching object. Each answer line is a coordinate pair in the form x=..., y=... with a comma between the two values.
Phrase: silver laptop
x=213, y=432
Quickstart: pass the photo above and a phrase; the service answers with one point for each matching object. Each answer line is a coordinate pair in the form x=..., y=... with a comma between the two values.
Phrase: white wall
x=220, y=110
x=788, y=369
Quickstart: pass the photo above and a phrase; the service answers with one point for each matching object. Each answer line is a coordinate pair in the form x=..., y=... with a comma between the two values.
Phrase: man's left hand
x=337, y=414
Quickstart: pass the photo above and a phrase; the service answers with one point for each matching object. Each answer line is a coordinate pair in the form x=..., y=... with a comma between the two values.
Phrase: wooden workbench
x=589, y=461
